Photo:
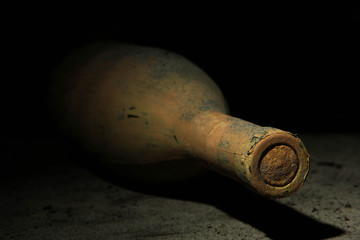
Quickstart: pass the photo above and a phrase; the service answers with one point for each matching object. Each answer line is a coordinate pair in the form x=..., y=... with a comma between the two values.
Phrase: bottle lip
x=279, y=165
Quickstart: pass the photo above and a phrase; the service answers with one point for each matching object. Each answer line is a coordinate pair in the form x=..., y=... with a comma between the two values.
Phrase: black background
x=292, y=66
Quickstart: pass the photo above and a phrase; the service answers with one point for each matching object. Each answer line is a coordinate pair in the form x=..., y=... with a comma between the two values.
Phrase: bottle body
x=128, y=101
x=140, y=105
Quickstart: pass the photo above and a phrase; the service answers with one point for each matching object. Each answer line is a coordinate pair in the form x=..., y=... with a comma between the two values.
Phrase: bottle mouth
x=279, y=165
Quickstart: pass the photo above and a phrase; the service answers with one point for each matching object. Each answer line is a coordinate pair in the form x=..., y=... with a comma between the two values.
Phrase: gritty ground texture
x=45, y=195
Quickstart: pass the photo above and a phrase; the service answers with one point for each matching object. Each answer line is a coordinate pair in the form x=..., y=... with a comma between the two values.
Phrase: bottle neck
x=202, y=134
x=218, y=138
x=269, y=161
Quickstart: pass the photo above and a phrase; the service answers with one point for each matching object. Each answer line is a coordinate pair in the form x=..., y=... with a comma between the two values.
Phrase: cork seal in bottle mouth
x=279, y=165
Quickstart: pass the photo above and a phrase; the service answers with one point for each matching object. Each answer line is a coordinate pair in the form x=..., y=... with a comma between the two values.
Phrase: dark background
x=292, y=66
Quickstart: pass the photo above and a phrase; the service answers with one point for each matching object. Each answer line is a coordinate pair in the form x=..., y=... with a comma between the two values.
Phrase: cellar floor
x=46, y=195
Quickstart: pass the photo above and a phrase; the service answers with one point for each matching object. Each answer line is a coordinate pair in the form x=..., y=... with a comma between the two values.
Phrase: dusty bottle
x=141, y=105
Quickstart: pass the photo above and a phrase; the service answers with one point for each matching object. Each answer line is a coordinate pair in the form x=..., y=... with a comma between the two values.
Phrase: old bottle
x=140, y=105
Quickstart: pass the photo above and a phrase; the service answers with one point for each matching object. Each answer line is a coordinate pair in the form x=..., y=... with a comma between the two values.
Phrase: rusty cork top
x=279, y=165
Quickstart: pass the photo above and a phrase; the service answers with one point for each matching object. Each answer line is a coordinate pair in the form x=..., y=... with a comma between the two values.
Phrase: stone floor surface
x=45, y=195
